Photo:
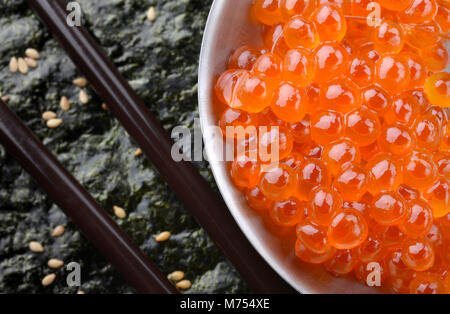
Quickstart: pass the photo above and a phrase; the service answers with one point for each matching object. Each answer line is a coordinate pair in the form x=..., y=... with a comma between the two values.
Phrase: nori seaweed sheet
x=160, y=61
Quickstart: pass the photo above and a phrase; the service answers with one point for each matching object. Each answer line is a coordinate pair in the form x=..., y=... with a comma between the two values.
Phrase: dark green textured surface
x=160, y=60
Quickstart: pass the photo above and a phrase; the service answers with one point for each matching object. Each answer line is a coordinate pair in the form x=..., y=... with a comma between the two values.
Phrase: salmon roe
x=344, y=135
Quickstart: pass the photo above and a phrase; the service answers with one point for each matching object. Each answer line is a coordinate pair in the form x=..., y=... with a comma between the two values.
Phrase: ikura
x=352, y=139
x=278, y=182
x=347, y=230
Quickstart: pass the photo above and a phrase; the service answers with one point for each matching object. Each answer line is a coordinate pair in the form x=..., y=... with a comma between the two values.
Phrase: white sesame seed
x=80, y=292
x=31, y=62
x=105, y=107
x=36, y=247
x=64, y=103
x=22, y=65
x=58, y=231
x=151, y=14
x=13, y=65
x=32, y=53
x=138, y=152
x=176, y=275
x=5, y=98
x=184, y=284
x=84, y=97
x=163, y=236
x=54, y=123
x=48, y=115
x=55, y=263
x=119, y=212
x=80, y=82
x=48, y=280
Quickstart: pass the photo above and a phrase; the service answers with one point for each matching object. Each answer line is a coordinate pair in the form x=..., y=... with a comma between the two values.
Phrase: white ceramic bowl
x=228, y=28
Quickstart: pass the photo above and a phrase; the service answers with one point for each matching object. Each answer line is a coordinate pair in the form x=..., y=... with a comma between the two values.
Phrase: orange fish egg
x=395, y=5
x=417, y=69
x=301, y=131
x=244, y=58
x=437, y=88
x=368, y=50
x=422, y=36
x=367, y=152
x=434, y=235
x=287, y=213
x=396, y=139
x=309, y=256
x=428, y=133
x=420, y=170
x=311, y=150
x=436, y=57
x=278, y=182
x=408, y=193
x=288, y=103
x=445, y=140
x=352, y=182
x=392, y=73
x=313, y=236
x=234, y=118
x=226, y=85
x=257, y=200
x=289, y=8
x=342, y=262
x=245, y=171
x=274, y=40
x=253, y=93
x=371, y=249
x=388, y=208
x=340, y=153
x=268, y=64
x=312, y=173
x=394, y=264
x=388, y=37
x=377, y=99
x=422, y=98
x=294, y=160
x=420, y=11
x=418, y=220
x=362, y=126
x=301, y=33
x=299, y=67
x=404, y=110
x=418, y=254
x=385, y=173
x=330, y=22
x=312, y=97
x=426, y=283
x=359, y=8
x=325, y=202
x=443, y=19
x=361, y=70
x=347, y=230
x=332, y=61
x=267, y=11
x=327, y=126
x=438, y=195
x=275, y=143
x=443, y=164
x=341, y=95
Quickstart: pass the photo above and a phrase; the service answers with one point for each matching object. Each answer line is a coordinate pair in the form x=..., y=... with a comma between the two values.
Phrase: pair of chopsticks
x=198, y=197
x=79, y=205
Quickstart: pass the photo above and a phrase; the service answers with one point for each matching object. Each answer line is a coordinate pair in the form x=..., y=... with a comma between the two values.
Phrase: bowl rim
x=205, y=112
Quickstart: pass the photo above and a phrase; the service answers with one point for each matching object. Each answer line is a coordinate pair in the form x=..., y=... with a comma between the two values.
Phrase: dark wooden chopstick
x=80, y=206
x=196, y=194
